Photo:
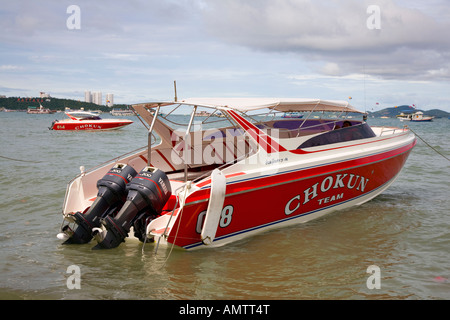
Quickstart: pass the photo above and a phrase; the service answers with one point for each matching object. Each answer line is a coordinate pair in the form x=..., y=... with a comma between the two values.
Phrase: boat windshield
x=354, y=132
x=84, y=116
x=90, y=118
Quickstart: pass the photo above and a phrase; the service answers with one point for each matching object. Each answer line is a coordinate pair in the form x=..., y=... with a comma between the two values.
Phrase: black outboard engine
x=148, y=192
x=110, y=197
x=53, y=124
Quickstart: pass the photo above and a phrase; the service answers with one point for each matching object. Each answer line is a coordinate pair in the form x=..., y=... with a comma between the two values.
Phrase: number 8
x=225, y=218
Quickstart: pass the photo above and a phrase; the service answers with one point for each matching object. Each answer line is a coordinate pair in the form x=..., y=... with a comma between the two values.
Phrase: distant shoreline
x=58, y=104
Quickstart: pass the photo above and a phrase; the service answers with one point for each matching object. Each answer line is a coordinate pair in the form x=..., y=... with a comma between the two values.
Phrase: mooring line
x=428, y=144
x=7, y=158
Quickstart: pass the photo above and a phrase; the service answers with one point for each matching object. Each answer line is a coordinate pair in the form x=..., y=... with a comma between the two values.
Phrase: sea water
x=403, y=234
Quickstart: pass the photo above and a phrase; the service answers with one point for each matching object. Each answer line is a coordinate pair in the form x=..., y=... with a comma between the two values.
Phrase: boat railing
x=391, y=130
x=208, y=120
x=297, y=128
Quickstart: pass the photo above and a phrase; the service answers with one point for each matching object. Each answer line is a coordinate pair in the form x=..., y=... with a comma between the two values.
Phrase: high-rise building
x=97, y=97
x=87, y=96
x=109, y=100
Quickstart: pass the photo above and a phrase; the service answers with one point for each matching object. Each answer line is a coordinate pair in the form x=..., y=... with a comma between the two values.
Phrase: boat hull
x=288, y=198
x=422, y=120
x=95, y=125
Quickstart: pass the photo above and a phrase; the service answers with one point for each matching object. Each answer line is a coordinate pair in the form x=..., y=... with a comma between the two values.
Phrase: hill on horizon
x=21, y=103
x=392, y=112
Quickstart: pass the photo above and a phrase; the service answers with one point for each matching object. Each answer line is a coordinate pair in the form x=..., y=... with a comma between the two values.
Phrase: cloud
x=225, y=47
x=410, y=41
x=331, y=69
x=124, y=56
x=9, y=67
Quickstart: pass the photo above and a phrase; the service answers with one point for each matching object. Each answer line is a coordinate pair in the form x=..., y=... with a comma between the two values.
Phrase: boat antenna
x=365, y=105
x=364, y=71
x=175, y=88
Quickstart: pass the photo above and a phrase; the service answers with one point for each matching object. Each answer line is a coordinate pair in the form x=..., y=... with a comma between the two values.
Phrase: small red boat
x=84, y=120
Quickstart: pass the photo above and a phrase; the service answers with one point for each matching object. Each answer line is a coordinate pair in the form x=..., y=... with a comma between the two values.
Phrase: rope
x=180, y=214
x=428, y=144
x=30, y=161
x=178, y=228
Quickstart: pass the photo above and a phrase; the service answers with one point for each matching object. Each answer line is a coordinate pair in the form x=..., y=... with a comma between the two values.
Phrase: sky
x=380, y=53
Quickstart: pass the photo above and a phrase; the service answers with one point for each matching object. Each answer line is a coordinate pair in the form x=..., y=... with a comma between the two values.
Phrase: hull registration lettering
x=333, y=183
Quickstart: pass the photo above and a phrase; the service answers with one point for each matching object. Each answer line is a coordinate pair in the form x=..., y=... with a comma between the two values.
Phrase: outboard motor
x=53, y=124
x=110, y=197
x=148, y=192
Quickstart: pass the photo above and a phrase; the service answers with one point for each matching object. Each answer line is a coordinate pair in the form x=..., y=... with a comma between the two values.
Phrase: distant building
x=44, y=95
x=87, y=96
x=97, y=97
x=109, y=100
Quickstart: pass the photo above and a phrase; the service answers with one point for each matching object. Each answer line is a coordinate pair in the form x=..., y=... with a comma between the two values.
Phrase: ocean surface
x=404, y=233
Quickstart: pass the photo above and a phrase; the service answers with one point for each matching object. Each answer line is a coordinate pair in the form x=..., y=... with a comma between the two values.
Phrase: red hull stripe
x=335, y=166
x=228, y=148
x=258, y=135
x=288, y=176
x=165, y=159
x=208, y=181
x=143, y=158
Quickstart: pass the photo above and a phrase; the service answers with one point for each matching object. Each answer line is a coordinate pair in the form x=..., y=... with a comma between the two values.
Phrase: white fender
x=216, y=199
x=62, y=236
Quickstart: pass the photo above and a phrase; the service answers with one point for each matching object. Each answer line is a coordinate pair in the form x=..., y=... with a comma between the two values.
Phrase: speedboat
x=86, y=120
x=208, y=184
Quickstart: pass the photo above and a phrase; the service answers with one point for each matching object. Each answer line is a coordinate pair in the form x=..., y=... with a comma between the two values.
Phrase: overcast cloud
x=295, y=48
x=409, y=43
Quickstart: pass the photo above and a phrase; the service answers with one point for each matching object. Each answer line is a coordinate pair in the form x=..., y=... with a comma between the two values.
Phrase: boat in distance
x=219, y=180
x=122, y=112
x=88, y=121
x=415, y=117
x=40, y=110
x=292, y=115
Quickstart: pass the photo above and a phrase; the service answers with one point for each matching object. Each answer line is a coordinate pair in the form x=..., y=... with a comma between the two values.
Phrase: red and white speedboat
x=211, y=184
x=85, y=120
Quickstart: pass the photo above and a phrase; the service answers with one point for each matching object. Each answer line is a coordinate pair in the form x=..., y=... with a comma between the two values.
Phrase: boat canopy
x=277, y=104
